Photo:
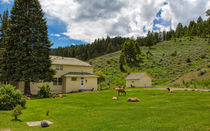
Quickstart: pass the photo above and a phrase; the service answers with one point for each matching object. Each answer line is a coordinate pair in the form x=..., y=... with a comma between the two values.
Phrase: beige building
x=138, y=80
x=71, y=75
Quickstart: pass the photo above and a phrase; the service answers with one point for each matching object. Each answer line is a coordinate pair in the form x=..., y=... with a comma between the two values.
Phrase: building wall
x=67, y=84
x=89, y=83
x=144, y=81
x=132, y=82
x=71, y=68
x=35, y=89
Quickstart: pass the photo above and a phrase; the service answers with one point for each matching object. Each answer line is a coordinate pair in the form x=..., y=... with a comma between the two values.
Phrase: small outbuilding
x=139, y=80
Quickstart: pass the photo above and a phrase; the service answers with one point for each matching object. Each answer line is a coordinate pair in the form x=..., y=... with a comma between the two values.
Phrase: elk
x=170, y=90
x=121, y=90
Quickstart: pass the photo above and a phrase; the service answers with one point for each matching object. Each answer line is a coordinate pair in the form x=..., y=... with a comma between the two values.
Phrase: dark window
x=59, y=81
x=59, y=67
x=55, y=81
x=74, y=78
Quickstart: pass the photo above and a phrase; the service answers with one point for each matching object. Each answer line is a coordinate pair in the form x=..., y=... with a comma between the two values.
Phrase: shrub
x=202, y=72
x=17, y=111
x=203, y=56
x=174, y=53
x=188, y=60
x=44, y=91
x=10, y=97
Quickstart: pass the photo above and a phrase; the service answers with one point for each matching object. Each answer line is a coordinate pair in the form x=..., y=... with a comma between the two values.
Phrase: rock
x=135, y=99
x=44, y=123
x=193, y=89
x=209, y=90
x=114, y=98
x=186, y=89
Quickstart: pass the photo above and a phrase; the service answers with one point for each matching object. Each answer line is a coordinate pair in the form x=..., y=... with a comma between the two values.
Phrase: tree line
x=108, y=45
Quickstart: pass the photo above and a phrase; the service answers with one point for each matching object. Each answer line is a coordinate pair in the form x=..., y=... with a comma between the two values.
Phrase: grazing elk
x=121, y=90
x=170, y=90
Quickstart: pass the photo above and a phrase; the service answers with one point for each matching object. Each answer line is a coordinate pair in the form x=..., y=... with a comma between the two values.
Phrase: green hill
x=169, y=61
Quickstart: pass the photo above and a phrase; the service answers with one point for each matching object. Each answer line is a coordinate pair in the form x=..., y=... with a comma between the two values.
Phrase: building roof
x=136, y=75
x=83, y=74
x=58, y=60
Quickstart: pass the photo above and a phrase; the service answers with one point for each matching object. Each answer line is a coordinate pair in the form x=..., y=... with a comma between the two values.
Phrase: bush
x=10, y=97
x=203, y=56
x=174, y=53
x=17, y=111
x=202, y=72
x=188, y=60
x=44, y=91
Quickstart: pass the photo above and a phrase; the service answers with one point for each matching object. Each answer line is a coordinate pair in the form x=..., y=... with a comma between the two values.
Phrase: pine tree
x=27, y=45
x=4, y=20
x=199, y=20
x=179, y=30
x=110, y=48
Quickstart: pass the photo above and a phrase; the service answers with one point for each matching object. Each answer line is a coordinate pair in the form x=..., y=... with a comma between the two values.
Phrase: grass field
x=170, y=61
x=96, y=111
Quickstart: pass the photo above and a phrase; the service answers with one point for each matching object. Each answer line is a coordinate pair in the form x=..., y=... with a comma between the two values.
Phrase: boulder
x=44, y=123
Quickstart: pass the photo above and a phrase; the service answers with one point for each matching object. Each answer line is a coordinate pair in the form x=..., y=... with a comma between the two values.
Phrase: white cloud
x=90, y=19
x=6, y=1
x=57, y=35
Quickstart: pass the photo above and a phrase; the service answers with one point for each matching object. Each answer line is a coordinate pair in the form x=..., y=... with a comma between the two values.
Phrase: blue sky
x=75, y=22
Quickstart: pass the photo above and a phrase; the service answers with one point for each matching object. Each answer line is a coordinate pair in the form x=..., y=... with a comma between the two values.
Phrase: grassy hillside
x=157, y=110
x=170, y=60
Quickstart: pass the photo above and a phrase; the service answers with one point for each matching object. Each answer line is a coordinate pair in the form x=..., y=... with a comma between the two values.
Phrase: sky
x=75, y=22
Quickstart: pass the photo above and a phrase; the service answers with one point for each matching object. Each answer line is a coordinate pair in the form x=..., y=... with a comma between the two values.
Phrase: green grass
x=157, y=110
x=163, y=66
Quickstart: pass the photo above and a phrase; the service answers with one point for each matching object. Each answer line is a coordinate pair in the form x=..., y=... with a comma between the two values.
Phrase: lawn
x=96, y=111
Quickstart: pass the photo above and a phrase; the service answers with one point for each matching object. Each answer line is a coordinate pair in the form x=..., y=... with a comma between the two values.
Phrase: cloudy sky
x=74, y=22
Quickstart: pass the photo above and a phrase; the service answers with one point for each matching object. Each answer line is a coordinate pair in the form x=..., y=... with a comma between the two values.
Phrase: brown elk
x=121, y=90
x=170, y=90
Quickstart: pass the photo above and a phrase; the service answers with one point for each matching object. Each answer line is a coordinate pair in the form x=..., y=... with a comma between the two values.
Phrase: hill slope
x=170, y=60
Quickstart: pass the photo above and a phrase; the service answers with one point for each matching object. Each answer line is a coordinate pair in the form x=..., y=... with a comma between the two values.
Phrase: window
x=59, y=67
x=57, y=81
x=74, y=79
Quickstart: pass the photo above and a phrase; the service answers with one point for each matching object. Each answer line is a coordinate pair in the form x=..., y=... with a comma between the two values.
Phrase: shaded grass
x=157, y=110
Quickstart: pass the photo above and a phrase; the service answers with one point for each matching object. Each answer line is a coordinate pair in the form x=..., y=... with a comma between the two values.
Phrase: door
x=82, y=83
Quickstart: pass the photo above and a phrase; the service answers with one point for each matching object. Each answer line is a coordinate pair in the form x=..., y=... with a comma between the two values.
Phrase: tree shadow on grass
x=18, y=120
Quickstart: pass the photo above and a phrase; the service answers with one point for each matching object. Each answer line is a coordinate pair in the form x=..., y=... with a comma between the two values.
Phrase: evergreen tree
x=179, y=30
x=199, y=20
x=4, y=20
x=191, y=28
x=150, y=40
x=110, y=48
x=27, y=45
x=131, y=53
